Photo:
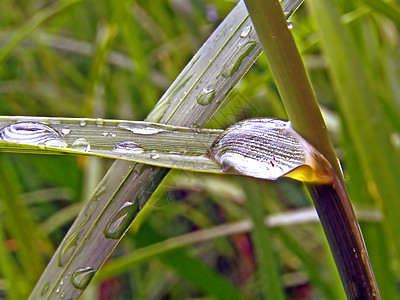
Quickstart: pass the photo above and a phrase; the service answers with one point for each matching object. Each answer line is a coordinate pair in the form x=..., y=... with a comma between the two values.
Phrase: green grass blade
x=371, y=140
x=331, y=201
x=20, y=224
x=262, y=240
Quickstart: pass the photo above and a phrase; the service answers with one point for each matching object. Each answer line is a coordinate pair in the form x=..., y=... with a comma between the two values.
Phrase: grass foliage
x=115, y=60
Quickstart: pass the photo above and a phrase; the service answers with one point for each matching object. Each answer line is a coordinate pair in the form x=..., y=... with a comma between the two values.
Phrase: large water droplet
x=81, y=144
x=245, y=31
x=81, y=277
x=259, y=148
x=206, y=96
x=69, y=244
x=121, y=220
x=31, y=133
x=233, y=64
x=82, y=123
x=127, y=147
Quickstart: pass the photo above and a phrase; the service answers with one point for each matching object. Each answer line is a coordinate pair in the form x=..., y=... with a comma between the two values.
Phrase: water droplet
x=289, y=23
x=100, y=192
x=142, y=129
x=81, y=277
x=259, y=148
x=233, y=64
x=206, y=96
x=104, y=133
x=127, y=147
x=82, y=123
x=69, y=244
x=81, y=144
x=121, y=220
x=99, y=122
x=62, y=295
x=154, y=154
x=60, y=284
x=31, y=133
x=245, y=31
x=44, y=289
x=65, y=131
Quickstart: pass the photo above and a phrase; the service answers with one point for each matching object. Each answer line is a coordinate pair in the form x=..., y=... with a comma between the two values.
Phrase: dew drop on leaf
x=127, y=147
x=31, y=133
x=206, y=96
x=81, y=277
x=81, y=144
x=121, y=220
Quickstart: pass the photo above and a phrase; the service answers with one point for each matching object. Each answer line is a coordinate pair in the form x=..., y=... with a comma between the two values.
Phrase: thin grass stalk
x=261, y=236
x=331, y=201
x=129, y=183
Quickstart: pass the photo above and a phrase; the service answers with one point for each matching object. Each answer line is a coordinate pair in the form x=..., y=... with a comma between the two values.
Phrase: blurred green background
x=114, y=59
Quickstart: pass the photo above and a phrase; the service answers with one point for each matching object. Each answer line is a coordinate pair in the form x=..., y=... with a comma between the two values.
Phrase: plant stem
x=331, y=201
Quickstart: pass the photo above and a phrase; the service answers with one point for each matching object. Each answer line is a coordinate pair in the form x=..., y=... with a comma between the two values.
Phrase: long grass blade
x=331, y=200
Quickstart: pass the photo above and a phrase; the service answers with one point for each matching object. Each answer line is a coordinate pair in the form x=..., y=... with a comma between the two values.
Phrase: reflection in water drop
x=259, y=148
x=206, y=96
x=154, y=154
x=233, y=64
x=81, y=144
x=81, y=277
x=245, y=31
x=127, y=147
x=35, y=134
x=121, y=220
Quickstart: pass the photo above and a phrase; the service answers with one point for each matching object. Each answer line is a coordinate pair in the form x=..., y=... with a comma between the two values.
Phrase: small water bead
x=289, y=23
x=82, y=277
x=142, y=129
x=82, y=123
x=154, y=154
x=261, y=148
x=206, y=96
x=69, y=244
x=245, y=31
x=99, y=122
x=121, y=220
x=31, y=133
x=81, y=144
x=128, y=147
x=65, y=131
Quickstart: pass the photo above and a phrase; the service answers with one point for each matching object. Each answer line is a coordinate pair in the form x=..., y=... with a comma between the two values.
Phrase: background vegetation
x=114, y=60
